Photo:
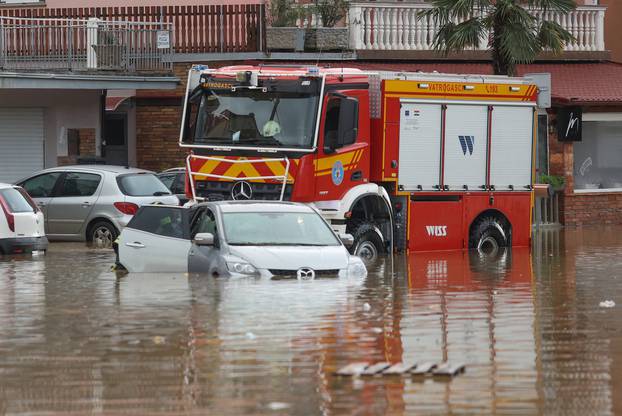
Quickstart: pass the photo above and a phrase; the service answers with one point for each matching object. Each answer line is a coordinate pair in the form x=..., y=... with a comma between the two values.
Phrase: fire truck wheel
x=488, y=236
x=367, y=242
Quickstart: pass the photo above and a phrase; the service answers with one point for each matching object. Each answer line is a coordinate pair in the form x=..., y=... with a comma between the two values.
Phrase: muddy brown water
x=77, y=339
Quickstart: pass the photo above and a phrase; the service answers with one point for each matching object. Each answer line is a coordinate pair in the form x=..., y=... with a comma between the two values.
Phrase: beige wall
x=62, y=108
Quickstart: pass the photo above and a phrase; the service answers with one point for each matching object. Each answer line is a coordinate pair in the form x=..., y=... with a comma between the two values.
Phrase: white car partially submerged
x=278, y=240
x=21, y=222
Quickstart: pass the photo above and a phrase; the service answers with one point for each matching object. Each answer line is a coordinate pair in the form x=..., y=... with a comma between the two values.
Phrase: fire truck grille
x=221, y=191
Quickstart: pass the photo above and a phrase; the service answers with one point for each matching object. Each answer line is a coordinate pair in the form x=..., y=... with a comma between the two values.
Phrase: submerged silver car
x=93, y=202
x=278, y=240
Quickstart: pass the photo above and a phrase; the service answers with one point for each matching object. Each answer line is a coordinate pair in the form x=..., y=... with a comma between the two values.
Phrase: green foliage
x=555, y=181
x=513, y=34
x=331, y=11
x=284, y=13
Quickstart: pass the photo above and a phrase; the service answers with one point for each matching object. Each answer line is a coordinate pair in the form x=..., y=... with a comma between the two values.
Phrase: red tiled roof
x=572, y=83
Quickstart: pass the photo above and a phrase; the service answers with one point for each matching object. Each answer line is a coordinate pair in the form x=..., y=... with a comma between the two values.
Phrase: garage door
x=21, y=142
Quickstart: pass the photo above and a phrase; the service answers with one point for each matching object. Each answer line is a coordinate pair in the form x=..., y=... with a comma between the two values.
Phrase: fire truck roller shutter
x=511, y=147
x=466, y=142
x=419, y=147
x=21, y=142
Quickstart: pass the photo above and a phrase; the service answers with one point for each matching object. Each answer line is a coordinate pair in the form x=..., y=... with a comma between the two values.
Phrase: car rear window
x=142, y=184
x=15, y=200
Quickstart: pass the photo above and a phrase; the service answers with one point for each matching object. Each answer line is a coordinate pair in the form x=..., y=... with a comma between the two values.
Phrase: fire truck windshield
x=253, y=117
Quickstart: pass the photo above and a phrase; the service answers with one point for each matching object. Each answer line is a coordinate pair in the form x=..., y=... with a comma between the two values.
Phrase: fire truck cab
x=402, y=161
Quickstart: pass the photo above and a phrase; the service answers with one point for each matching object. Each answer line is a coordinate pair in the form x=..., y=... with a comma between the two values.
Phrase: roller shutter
x=21, y=142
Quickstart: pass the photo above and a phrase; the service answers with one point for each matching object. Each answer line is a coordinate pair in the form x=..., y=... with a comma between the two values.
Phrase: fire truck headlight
x=356, y=267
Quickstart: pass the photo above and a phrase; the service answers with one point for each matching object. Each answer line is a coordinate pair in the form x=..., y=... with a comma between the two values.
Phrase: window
x=141, y=184
x=15, y=200
x=79, y=184
x=542, y=160
x=341, y=122
x=41, y=186
x=205, y=222
x=167, y=180
x=598, y=158
x=164, y=221
x=277, y=228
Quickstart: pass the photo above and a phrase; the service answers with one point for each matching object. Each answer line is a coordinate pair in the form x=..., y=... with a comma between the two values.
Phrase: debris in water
x=448, y=369
x=377, y=330
x=250, y=335
x=375, y=369
x=353, y=369
x=159, y=340
x=278, y=406
x=366, y=307
x=607, y=304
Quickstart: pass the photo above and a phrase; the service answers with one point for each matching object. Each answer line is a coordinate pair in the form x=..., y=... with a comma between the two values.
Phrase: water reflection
x=75, y=337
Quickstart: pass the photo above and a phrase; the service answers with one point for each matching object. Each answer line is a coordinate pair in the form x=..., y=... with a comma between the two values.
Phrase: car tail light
x=10, y=218
x=127, y=208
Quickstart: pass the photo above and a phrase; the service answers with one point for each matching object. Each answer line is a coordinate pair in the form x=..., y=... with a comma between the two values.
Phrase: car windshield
x=279, y=117
x=142, y=184
x=15, y=200
x=277, y=228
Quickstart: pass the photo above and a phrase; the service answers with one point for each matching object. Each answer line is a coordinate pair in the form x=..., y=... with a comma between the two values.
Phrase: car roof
x=173, y=170
x=98, y=168
x=260, y=206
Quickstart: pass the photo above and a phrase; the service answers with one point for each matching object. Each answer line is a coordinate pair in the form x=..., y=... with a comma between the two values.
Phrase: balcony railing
x=80, y=44
x=391, y=26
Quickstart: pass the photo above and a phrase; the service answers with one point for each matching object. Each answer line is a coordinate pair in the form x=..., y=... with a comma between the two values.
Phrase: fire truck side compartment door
x=420, y=144
x=511, y=147
x=466, y=140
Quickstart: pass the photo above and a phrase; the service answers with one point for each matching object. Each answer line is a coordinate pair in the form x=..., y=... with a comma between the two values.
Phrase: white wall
x=62, y=108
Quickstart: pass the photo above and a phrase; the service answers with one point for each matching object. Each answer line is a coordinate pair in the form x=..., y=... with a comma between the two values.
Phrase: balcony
x=57, y=44
x=394, y=30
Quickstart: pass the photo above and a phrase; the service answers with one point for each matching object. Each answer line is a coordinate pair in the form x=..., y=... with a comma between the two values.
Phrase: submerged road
x=75, y=338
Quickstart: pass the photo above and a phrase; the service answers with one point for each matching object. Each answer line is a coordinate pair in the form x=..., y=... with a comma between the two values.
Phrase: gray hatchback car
x=93, y=202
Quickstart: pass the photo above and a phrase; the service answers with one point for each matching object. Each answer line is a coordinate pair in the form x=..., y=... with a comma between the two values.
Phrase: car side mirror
x=347, y=240
x=204, y=239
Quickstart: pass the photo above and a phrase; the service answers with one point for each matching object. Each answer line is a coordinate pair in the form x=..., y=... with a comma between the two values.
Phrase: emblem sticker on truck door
x=337, y=173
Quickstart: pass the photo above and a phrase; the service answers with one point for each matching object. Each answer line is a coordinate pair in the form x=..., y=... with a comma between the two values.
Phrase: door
x=205, y=259
x=68, y=212
x=115, y=139
x=41, y=189
x=156, y=240
x=21, y=143
x=341, y=163
x=420, y=146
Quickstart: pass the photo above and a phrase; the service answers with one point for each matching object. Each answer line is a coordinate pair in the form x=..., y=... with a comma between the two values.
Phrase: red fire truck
x=402, y=161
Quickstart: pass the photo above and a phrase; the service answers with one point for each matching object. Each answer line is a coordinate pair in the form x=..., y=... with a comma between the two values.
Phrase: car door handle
x=86, y=204
x=41, y=204
x=135, y=244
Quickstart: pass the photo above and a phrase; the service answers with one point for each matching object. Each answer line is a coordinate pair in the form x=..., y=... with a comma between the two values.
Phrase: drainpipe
x=102, y=123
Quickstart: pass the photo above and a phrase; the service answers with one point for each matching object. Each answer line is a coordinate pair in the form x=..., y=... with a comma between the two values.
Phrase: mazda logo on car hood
x=241, y=190
x=305, y=273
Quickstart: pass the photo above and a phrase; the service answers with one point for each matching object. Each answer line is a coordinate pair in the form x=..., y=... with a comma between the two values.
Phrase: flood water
x=76, y=339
